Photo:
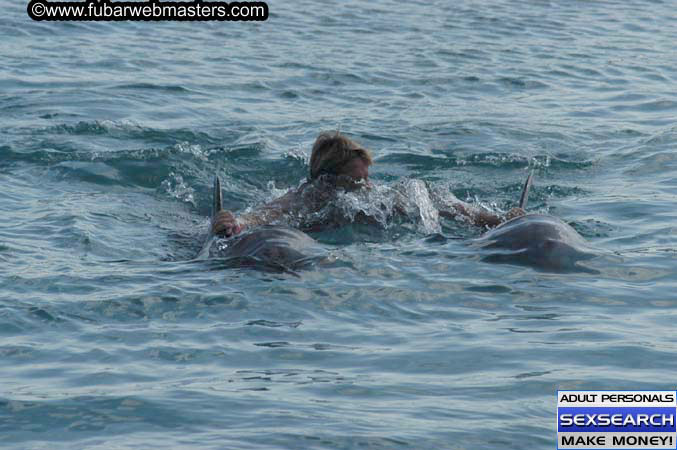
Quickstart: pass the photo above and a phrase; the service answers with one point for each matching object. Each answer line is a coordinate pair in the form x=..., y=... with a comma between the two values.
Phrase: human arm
x=224, y=223
x=478, y=216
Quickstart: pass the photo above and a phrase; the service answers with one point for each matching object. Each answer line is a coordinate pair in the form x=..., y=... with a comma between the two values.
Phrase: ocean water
x=113, y=334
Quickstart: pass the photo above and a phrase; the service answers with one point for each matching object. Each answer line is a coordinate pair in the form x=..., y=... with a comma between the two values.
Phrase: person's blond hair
x=332, y=151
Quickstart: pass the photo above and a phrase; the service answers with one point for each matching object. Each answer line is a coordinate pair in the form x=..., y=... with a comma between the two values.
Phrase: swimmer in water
x=337, y=164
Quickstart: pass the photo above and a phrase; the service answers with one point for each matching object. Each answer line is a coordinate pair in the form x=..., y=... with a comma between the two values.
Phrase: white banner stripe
x=617, y=398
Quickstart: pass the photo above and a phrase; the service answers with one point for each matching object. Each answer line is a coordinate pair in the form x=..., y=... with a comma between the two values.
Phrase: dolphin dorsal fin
x=525, y=191
x=218, y=201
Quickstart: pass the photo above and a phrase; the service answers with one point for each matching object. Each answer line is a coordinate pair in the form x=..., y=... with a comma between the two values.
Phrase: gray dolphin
x=268, y=247
x=537, y=240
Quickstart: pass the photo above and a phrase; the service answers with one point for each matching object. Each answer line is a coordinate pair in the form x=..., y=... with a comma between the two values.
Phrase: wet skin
x=353, y=175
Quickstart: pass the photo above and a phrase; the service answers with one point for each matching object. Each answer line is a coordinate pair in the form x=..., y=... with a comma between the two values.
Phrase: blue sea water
x=112, y=333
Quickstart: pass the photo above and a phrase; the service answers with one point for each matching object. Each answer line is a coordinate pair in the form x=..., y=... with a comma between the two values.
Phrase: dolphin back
x=537, y=240
x=267, y=247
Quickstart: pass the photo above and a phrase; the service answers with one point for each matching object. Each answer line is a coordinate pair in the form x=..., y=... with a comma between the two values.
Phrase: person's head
x=335, y=154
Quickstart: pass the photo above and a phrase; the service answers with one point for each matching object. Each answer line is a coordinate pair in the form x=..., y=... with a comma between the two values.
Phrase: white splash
x=177, y=188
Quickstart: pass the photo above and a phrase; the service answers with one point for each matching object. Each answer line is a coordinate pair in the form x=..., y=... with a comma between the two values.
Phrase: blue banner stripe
x=660, y=419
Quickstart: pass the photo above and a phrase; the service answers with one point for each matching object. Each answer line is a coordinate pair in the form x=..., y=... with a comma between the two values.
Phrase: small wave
x=654, y=163
x=151, y=86
x=63, y=155
x=96, y=127
x=291, y=376
x=592, y=228
x=668, y=136
x=522, y=83
x=92, y=172
x=126, y=129
x=652, y=106
x=273, y=324
x=488, y=159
